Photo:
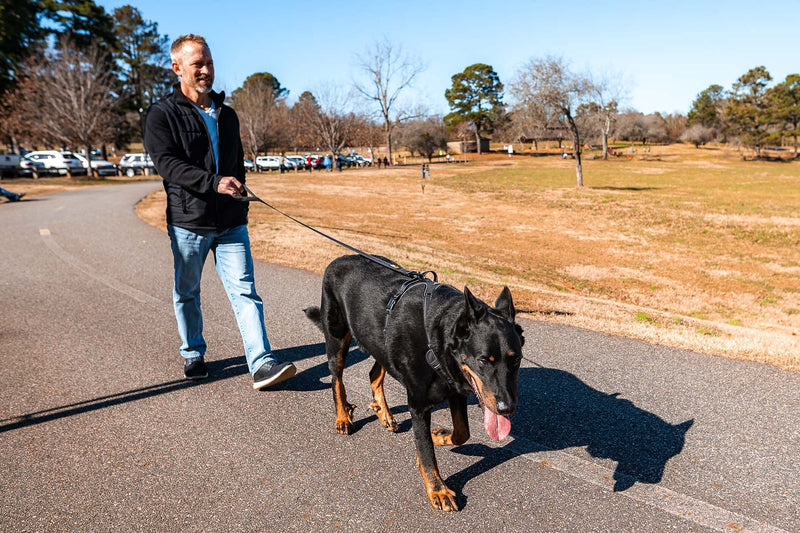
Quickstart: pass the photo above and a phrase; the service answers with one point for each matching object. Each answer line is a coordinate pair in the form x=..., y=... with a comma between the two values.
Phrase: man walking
x=193, y=139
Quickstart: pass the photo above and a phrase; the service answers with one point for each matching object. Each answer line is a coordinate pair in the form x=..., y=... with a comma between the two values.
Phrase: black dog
x=440, y=343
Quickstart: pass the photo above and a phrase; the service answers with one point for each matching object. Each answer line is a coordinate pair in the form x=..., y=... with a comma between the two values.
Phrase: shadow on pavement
x=559, y=411
x=218, y=370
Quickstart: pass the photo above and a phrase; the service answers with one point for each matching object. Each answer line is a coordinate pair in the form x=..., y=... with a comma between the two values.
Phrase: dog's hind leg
x=460, y=432
x=337, y=353
x=376, y=376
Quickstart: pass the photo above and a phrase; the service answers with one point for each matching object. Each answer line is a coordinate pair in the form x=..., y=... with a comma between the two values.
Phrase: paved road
x=98, y=432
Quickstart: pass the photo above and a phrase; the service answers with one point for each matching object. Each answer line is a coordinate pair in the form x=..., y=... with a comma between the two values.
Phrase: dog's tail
x=314, y=315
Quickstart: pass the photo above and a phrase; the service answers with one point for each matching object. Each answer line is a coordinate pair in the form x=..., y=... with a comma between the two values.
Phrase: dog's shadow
x=558, y=411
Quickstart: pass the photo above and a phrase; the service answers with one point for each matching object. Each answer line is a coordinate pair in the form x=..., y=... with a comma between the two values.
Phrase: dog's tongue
x=497, y=426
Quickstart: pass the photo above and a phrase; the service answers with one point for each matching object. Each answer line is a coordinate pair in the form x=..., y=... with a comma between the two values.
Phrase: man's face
x=195, y=67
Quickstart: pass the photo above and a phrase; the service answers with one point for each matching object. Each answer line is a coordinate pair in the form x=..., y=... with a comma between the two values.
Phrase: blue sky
x=667, y=51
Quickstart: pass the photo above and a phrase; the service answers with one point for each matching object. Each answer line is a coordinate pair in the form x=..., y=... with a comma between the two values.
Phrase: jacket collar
x=177, y=94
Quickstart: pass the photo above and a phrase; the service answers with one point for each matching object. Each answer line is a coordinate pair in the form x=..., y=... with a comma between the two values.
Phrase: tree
x=143, y=58
x=388, y=72
x=698, y=135
x=425, y=137
x=257, y=103
x=476, y=96
x=607, y=92
x=19, y=29
x=550, y=83
x=81, y=22
x=330, y=121
x=748, y=113
x=785, y=100
x=69, y=97
x=707, y=109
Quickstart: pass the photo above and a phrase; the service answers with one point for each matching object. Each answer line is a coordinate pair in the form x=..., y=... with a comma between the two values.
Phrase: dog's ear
x=519, y=330
x=504, y=305
x=475, y=309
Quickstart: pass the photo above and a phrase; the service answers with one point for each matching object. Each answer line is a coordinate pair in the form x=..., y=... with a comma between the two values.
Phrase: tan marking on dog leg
x=344, y=410
x=455, y=437
x=439, y=494
x=377, y=375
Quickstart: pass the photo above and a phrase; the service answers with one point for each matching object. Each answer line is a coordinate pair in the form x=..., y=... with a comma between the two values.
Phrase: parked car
x=249, y=165
x=299, y=161
x=29, y=167
x=103, y=167
x=132, y=164
x=57, y=162
x=360, y=160
x=268, y=162
x=9, y=164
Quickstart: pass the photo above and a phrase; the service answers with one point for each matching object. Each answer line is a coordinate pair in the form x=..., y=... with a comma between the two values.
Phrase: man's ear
x=504, y=305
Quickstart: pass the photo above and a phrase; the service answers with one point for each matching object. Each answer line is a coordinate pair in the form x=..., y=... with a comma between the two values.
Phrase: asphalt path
x=99, y=432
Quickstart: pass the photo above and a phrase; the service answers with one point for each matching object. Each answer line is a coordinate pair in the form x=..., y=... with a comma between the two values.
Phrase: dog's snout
x=505, y=409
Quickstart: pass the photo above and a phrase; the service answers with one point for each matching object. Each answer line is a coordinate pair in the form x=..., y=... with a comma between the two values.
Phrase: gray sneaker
x=272, y=373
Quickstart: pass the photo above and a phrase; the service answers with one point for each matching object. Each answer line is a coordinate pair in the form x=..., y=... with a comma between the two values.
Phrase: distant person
x=193, y=139
x=386, y=162
x=12, y=196
x=378, y=161
x=338, y=163
x=327, y=163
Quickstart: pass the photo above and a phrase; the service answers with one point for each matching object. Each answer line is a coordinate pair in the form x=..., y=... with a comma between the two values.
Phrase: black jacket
x=177, y=140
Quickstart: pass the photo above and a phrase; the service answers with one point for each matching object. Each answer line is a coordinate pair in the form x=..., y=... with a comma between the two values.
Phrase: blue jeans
x=231, y=249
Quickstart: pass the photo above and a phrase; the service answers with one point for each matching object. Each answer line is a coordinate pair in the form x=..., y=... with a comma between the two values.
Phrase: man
x=193, y=139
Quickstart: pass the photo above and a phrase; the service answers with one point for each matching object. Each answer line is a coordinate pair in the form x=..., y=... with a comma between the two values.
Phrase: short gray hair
x=177, y=45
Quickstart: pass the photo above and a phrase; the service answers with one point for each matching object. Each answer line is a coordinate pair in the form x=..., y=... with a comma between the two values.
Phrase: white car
x=103, y=167
x=57, y=162
x=268, y=162
x=132, y=164
x=249, y=165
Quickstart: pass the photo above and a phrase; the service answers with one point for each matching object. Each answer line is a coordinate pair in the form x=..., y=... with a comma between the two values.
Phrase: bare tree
x=69, y=97
x=256, y=109
x=608, y=92
x=388, y=72
x=330, y=121
x=550, y=83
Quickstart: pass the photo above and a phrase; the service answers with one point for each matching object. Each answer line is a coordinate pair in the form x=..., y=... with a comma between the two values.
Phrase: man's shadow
x=218, y=369
x=558, y=411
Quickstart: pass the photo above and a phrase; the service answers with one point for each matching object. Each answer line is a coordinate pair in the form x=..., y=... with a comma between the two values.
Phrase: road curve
x=98, y=431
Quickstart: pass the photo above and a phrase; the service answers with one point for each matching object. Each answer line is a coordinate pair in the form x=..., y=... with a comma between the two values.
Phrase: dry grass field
x=689, y=248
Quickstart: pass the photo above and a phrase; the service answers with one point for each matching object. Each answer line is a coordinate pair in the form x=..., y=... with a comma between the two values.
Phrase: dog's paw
x=344, y=427
x=443, y=499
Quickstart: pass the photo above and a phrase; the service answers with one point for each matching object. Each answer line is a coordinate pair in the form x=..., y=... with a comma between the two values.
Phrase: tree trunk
x=606, y=128
x=795, y=146
x=576, y=148
x=478, y=140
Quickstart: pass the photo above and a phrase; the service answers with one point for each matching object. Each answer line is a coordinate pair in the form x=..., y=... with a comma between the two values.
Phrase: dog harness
x=430, y=287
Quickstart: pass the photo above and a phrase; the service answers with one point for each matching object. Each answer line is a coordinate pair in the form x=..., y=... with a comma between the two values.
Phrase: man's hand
x=230, y=185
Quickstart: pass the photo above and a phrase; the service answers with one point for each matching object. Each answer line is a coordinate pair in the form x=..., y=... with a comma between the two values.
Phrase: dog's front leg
x=460, y=432
x=439, y=494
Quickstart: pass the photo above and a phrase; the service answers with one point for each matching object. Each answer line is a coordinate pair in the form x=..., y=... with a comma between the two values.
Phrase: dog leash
x=251, y=197
x=416, y=278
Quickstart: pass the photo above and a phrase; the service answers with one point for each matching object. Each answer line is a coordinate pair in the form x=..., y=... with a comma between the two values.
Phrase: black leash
x=416, y=278
x=251, y=197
